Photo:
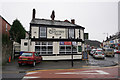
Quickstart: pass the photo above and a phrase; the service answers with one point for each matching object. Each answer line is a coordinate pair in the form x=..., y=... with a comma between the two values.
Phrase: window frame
x=69, y=37
x=25, y=44
x=42, y=32
x=6, y=27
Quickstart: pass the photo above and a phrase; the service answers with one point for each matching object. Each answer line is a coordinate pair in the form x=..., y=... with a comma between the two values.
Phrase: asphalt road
x=108, y=61
x=106, y=73
x=13, y=71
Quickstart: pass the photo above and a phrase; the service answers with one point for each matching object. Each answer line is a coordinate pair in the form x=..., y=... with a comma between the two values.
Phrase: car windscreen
x=109, y=50
x=99, y=52
x=94, y=50
x=27, y=54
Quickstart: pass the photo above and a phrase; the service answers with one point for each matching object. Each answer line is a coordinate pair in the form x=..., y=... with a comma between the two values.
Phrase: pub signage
x=55, y=32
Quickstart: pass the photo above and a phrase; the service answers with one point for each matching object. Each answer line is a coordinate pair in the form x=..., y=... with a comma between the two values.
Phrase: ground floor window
x=67, y=49
x=44, y=47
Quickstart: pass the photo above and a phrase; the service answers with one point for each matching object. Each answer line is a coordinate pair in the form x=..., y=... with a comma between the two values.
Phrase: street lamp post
x=71, y=52
x=107, y=37
x=106, y=34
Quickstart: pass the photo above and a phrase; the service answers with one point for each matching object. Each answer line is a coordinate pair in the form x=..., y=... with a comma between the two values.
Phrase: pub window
x=71, y=33
x=43, y=32
x=25, y=44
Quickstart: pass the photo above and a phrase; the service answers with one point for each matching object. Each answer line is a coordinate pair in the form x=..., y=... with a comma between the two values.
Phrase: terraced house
x=54, y=39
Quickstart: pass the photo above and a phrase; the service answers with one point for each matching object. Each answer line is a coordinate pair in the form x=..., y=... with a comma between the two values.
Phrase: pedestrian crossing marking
x=86, y=72
x=29, y=77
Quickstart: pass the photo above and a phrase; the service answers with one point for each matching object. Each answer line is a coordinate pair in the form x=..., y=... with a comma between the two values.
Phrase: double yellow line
x=84, y=67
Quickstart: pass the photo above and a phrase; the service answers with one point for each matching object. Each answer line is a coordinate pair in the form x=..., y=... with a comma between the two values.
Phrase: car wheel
x=113, y=55
x=34, y=63
x=20, y=64
x=41, y=59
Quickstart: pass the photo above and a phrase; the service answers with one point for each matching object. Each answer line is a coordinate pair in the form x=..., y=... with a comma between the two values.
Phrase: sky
x=99, y=17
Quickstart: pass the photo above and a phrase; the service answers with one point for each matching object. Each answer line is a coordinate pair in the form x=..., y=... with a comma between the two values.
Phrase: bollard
x=9, y=58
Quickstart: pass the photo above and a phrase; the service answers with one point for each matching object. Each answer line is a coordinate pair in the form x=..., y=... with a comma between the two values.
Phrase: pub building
x=54, y=39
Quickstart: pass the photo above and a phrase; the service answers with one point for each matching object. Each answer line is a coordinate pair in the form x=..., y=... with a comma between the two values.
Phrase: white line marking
x=31, y=73
x=29, y=77
x=86, y=72
x=101, y=72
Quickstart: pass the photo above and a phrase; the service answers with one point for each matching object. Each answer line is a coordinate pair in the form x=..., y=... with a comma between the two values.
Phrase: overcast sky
x=97, y=16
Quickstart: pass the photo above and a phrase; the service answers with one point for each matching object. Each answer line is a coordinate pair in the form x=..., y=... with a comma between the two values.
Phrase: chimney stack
x=34, y=12
x=53, y=15
x=73, y=21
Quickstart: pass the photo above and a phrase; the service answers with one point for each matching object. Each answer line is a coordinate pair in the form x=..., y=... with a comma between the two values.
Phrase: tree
x=17, y=32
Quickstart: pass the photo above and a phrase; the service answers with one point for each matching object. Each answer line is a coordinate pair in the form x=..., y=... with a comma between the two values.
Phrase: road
x=12, y=70
x=108, y=61
x=106, y=73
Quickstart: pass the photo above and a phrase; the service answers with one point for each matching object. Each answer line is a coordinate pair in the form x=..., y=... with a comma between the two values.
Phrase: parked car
x=99, y=54
x=29, y=58
x=116, y=51
x=92, y=51
x=99, y=49
x=109, y=52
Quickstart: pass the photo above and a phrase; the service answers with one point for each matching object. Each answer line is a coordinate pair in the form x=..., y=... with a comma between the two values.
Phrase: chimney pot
x=73, y=21
x=53, y=15
x=66, y=20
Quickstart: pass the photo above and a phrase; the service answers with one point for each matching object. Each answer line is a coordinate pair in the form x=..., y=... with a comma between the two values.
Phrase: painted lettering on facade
x=55, y=32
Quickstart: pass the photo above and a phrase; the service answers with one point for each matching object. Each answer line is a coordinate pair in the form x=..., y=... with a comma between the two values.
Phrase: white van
x=109, y=52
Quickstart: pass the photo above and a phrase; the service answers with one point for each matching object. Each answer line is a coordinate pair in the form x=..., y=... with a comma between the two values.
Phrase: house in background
x=5, y=26
x=6, y=43
x=54, y=39
x=112, y=42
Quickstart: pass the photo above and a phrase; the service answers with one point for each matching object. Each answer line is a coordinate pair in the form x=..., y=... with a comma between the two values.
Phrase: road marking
x=30, y=77
x=86, y=72
x=75, y=68
x=31, y=73
x=101, y=72
x=91, y=66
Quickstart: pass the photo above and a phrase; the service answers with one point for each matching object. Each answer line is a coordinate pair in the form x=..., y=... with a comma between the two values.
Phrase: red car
x=29, y=58
x=118, y=51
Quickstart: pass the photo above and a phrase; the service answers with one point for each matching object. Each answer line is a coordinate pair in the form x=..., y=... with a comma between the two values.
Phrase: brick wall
x=4, y=23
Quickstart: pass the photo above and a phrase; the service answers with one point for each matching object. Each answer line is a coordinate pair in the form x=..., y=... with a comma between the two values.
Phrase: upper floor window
x=79, y=34
x=71, y=33
x=25, y=44
x=6, y=27
x=43, y=32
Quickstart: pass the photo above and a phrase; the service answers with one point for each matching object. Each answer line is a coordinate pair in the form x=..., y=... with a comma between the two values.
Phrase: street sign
x=85, y=55
x=61, y=43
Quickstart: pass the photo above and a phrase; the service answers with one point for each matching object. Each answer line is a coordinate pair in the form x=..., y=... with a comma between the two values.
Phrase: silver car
x=99, y=54
x=92, y=51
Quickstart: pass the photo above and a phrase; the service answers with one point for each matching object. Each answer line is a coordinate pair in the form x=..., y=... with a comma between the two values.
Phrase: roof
x=5, y=20
x=53, y=22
